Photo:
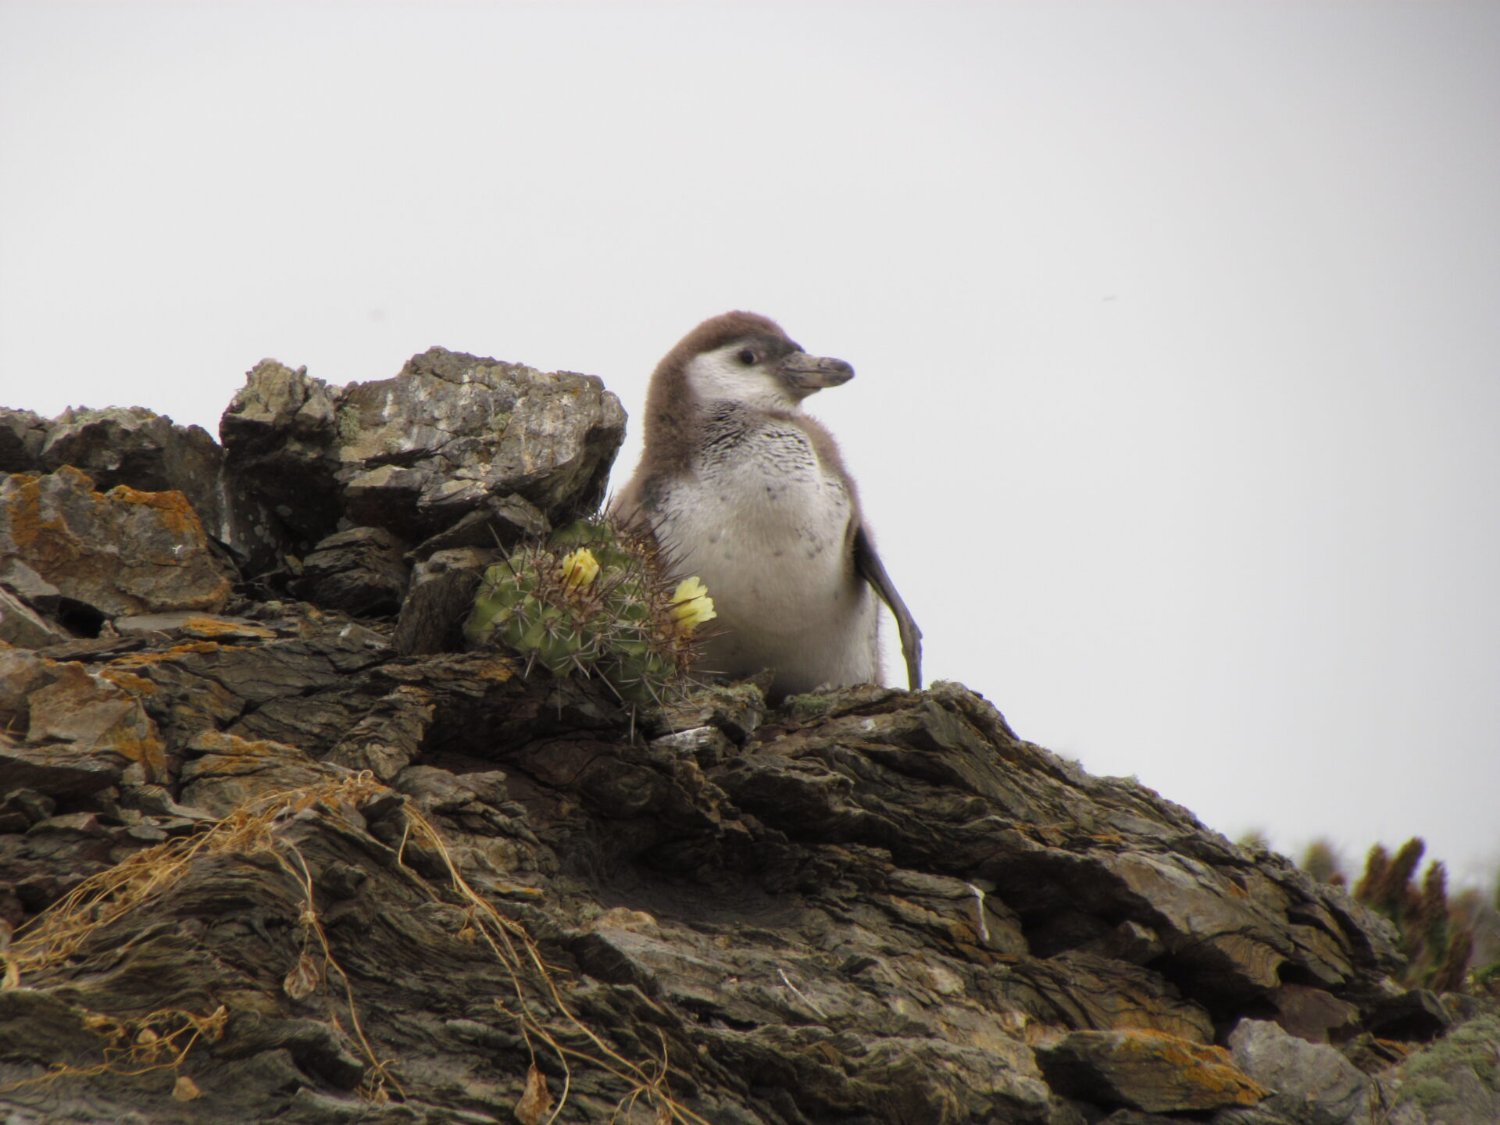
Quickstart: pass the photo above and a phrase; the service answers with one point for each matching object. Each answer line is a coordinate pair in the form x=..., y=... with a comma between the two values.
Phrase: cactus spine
x=596, y=600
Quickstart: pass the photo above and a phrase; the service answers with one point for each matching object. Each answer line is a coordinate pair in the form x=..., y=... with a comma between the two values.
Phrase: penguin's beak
x=803, y=374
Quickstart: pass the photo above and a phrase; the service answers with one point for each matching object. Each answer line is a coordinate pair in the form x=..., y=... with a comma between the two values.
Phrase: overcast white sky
x=1175, y=325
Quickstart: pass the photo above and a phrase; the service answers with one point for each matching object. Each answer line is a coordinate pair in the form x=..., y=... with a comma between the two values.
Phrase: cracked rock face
x=330, y=493
x=416, y=453
x=267, y=859
x=114, y=553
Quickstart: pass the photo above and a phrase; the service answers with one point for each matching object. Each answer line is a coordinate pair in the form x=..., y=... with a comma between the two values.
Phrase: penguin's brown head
x=741, y=357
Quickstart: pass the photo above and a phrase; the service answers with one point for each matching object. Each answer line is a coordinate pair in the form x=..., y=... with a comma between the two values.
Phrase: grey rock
x=360, y=571
x=279, y=440
x=442, y=595
x=500, y=521
x=1145, y=1070
x=120, y=552
x=359, y=876
x=1416, y=1014
x=136, y=447
x=28, y=585
x=56, y=769
x=448, y=441
x=1313, y=1014
x=22, y=433
x=1455, y=1080
x=1313, y=1083
x=22, y=626
x=188, y=623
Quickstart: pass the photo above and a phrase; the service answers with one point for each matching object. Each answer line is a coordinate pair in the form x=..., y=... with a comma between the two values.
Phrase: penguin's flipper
x=867, y=563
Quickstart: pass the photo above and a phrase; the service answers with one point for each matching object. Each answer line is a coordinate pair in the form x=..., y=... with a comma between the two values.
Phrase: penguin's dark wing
x=867, y=563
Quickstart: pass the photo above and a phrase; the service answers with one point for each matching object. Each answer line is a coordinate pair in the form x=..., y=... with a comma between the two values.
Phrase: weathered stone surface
x=811, y=957
x=223, y=771
x=124, y=551
x=144, y=450
x=450, y=436
x=1226, y=924
x=501, y=521
x=1311, y=1083
x=441, y=596
x=1146, y=1070
x=1418, y=1014
x=279, y=438
x=329, y=870
x=360, y=571
x=83, y=724
x=1454, y=1081
x=1313, y=1014
x=22, y=433
x=57, y=768
x=28, y=585
x=22, y=626
x=198, y=626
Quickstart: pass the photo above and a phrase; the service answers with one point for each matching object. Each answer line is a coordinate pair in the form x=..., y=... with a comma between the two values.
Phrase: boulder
x=119, y=552
x=454, y=448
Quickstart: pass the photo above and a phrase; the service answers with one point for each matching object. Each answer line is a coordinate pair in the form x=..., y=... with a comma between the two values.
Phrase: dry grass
x=163, y=1039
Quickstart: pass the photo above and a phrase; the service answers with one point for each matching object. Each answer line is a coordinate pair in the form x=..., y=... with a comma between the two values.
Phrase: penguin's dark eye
x=746, y=356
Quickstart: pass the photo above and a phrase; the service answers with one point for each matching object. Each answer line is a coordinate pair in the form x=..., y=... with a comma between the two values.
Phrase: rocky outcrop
x=420, y=455
x=265, y=859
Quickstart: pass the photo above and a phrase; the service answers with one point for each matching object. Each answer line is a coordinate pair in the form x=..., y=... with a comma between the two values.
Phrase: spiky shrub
x=594, y=599
x=1436, y=936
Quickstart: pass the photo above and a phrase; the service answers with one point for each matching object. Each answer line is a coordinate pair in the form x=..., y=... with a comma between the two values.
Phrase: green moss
x=1488, y=975
x=1427, y=1092
x=1470, y=1046
x=346, y=425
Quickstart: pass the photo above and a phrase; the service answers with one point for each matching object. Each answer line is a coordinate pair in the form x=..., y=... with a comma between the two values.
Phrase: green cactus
x=596, y=600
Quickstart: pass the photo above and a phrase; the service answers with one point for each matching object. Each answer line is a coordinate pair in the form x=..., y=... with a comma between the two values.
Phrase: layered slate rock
x=834, y=908
x=109, y=554
x=414, y=455
x=1147, y=1070
x=322, y=491
x=144, y=450
x=1312, y=1083
x=264, y=858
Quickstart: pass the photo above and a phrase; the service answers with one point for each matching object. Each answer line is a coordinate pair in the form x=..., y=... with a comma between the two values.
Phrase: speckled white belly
x=768, y=532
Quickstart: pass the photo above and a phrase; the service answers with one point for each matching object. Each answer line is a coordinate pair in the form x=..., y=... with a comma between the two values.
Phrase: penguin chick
x=748, y=493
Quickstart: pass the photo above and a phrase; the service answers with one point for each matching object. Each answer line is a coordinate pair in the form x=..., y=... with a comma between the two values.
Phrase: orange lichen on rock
x=1147, y=1070
x=177, y=514
x=95, y=716
x=121, y=552
x=40, y=537
x=211, y=627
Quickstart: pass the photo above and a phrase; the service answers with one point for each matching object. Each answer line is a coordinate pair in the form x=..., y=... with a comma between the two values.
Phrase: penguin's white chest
x=766, y=526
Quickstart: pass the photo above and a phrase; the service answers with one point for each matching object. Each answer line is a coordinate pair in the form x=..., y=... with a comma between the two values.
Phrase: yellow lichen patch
x=1205, y=1074
x=127, y=681
x=96, y=716
x=145, y=659
x=500, y=669
x=176, y=514
x=207, y=628
x=43, y=538
x=236, y=755
x=134, y=738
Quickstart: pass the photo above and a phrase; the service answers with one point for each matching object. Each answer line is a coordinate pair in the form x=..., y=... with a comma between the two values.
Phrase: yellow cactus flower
x=691, y=605
x=579, y=569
